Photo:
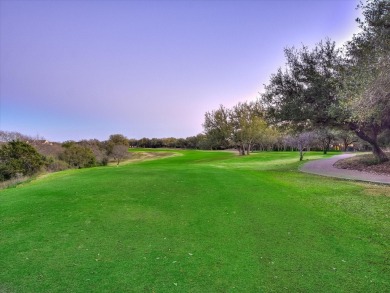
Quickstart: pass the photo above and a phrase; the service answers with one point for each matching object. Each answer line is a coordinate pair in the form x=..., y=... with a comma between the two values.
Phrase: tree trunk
x=248, y=149
x=379, y=154
x=326, y=145
x=376, y=150
x=300, y=147
x=241, y=150
x=324, y=148
x=300, y=154
x=346, y=144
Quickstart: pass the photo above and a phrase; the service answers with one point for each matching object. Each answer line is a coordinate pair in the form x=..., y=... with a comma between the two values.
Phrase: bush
x=78, y=156
x=18, y=158
x=104, y=161
x=55, y=165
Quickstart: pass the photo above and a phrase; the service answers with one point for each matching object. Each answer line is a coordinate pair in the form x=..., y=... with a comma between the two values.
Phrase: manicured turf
x=195, y=222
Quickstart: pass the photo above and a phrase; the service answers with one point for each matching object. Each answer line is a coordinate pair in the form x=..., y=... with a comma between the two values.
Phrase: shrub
x=55, y=165
x=78, y=156
x=18, y=158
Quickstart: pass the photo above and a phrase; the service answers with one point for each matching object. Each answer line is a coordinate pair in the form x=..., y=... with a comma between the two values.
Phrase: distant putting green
x=200, y=221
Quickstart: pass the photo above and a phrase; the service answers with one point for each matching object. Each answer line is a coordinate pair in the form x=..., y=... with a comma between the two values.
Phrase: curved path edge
x=324, y=167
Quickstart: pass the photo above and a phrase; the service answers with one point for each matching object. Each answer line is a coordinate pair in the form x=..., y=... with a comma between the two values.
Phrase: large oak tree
x=327, y=87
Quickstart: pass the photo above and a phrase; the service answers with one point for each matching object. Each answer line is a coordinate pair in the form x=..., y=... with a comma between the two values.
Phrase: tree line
x=243, y=129
x=22, y=155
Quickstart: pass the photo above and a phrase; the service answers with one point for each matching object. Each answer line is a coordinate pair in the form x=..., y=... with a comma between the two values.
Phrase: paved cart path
x=325, y=167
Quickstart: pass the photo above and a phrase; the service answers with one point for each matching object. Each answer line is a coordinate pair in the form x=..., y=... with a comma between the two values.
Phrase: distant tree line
x=22, y=155
x=199, y=141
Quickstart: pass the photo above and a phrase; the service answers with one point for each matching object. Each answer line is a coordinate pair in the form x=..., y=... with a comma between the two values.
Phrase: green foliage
x=240, y=127
x=248, y=125
x=322, y=87
x=78, y=156
x=18, y=158
x=218, y=128
x=325, y=137
x=68, y=143
x=54, y=165
x=98, y=148
x=305, y=93
x=366, y=77
x=366, y=88
x=118, y=139
x=200, y=221
x=113, y=141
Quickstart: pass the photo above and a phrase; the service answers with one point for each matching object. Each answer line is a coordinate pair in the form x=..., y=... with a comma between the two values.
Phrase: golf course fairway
x=195, y=221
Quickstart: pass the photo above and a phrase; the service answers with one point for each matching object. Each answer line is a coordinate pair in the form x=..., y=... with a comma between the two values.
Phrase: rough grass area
x=13, y=182
x=366, y=162
x=141, y=155
x=198, y=222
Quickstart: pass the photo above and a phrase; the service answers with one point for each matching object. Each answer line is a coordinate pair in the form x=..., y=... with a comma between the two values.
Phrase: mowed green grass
x=195, y=222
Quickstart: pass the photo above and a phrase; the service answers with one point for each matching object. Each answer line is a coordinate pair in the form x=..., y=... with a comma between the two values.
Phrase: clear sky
x=74, y=69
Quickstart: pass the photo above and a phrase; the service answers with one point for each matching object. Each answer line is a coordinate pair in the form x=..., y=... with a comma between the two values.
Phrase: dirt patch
x=377, y=190
x=366, y=163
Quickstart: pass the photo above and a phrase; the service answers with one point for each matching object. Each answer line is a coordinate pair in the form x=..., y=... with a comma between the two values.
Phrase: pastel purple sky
x=86, y=69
